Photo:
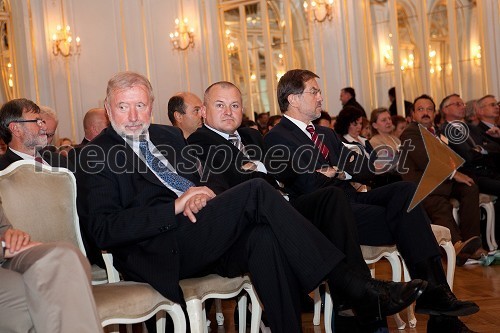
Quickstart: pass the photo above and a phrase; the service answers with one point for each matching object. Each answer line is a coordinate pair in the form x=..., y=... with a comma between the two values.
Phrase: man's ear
x=177, y=116
x=14, y=129
x=203, y=111
x=292, y=99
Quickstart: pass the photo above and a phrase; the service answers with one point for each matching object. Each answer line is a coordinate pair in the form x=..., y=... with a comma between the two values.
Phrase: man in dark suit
x=184, y=112
x=237, y=154
x=25, y=133
x=144, y=207
x=465, y=236
x=488, y=113
x=348, y=98
x=481, y=154
x=306, y=159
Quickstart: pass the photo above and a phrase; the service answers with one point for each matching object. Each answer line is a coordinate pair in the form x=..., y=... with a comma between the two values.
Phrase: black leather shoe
x=446, y=324
x=383, y=299
x=440, y=300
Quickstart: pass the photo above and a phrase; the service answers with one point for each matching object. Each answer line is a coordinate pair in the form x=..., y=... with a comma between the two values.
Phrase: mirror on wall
x=441, y=68
x=453, y=59
x=255, y=40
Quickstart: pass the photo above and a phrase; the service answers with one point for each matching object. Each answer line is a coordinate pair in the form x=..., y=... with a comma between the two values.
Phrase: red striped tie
x=317, y=141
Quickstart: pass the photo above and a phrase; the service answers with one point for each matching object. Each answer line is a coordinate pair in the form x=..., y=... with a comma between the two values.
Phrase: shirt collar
x=490, y=125
x=300, y=124
x=24, y=156
x=224, y=135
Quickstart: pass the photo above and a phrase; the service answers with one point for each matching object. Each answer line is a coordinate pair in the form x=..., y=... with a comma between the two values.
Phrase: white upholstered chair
x=42, y=201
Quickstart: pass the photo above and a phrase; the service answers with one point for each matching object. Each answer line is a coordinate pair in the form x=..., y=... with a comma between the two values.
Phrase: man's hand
x=249, y=166
x=464, y=179
x=16, y=241
x=494, y=132
x=332, y=172
x=192, y=201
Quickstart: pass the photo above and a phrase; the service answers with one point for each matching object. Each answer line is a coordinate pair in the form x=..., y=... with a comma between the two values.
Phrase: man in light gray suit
x=44, y=288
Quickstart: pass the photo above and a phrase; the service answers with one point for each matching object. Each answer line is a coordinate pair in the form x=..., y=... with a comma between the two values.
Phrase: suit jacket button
x=174, y=251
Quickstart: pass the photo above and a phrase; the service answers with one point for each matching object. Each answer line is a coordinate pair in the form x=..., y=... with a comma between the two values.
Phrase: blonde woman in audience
x=385, y=145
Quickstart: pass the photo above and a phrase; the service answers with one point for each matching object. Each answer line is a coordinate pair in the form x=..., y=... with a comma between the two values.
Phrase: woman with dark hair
x=348, y=126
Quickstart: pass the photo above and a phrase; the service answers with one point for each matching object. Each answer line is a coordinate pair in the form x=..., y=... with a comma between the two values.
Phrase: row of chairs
x=51, y=196
x=53, y=217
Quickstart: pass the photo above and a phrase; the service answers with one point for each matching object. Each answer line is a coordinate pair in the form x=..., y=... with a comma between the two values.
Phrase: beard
x=123, y=132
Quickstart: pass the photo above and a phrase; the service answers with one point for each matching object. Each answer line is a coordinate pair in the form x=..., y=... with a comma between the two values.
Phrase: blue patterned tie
x=171, y=178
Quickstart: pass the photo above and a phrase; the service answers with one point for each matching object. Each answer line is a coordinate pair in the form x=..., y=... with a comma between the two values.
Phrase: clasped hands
x=16, y=241
x=332, y=172
x=192, y=201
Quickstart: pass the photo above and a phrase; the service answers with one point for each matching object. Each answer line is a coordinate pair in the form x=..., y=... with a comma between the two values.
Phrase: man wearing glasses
x=25, y=133
x=488, y=113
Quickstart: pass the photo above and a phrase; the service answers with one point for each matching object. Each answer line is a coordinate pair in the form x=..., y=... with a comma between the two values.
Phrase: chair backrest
x=41, y=201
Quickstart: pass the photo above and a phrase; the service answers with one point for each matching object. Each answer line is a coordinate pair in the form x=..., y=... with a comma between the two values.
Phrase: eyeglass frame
x=492, y=104
x=314, y=92
x=39, y=121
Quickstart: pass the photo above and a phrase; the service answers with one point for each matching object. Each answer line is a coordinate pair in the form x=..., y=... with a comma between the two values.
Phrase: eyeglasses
x=490, y=104
x=313, y=91
x=40, y=122
x=457, y=104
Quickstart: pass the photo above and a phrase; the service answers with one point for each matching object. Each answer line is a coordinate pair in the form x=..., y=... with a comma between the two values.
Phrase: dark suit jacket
x=130, y=212
x=416, y=160
x=353, y=102
x=292, y=157
x=482, y=127
x=53, y=159
x=476, y=163
x=218, y=155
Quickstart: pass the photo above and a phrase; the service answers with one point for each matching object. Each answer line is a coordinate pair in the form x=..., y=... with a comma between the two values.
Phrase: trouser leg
x=410, y=231
x=14, y=314
x=329, y=210
x=229, y=217
x=58, y=291
x=440, y=212
x=469, y=212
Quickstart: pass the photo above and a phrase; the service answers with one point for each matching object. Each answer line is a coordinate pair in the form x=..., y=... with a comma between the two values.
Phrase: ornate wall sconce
x=62, y=42
x=183, y=37
x=321, y=9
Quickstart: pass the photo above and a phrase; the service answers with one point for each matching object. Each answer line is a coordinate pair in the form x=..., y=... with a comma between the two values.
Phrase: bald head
x=184, y=112
x=94, y=122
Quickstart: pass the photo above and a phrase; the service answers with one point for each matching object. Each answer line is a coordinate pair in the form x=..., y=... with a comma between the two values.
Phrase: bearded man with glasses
x=25, y=133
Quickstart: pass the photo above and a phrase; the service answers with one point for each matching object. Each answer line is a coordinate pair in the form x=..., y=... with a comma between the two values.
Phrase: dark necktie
x=317, y=141
x=38, y=159
x=233, y=138
x=171, y=178
x=432, y=130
